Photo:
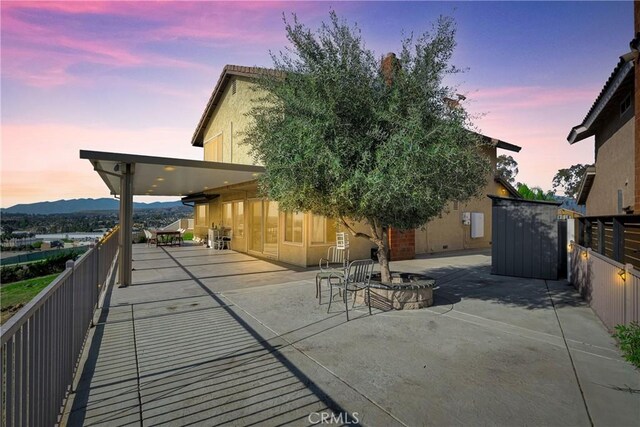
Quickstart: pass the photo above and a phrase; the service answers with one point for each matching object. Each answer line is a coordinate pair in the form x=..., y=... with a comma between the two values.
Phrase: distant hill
x=82, y=205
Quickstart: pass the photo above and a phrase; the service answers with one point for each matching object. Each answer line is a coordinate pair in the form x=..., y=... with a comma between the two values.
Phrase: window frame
x=284, y=229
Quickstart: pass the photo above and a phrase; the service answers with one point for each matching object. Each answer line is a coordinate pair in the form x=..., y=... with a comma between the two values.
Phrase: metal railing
x=42, y=343
x=611, y=288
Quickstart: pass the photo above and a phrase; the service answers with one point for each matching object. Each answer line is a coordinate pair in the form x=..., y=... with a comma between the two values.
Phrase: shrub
x=628, y=337
x=51, y=265
x=187, y=236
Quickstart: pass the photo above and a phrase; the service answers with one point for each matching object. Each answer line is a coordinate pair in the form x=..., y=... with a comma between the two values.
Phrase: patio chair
x=221, y=238
x=335, y=262
x=356, y=278
x=151, y=237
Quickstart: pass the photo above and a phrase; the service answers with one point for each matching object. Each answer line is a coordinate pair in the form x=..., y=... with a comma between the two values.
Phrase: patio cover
x=128, y=175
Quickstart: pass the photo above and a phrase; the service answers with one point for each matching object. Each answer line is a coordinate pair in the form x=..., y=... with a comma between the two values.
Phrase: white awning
x=163, y=176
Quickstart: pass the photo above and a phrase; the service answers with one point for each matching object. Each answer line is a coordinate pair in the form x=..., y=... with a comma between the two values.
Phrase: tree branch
x=353, y=232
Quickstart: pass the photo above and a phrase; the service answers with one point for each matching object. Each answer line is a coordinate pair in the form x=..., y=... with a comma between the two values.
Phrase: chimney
x=389, y=66
x=455, y=103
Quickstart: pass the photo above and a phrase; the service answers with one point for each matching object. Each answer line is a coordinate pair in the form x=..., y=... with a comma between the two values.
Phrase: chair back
x=360, y=271
x=338, y=256
x=147, y=234
x=342, y=241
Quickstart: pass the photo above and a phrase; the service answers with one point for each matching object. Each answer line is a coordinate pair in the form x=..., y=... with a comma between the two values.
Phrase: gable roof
x=228, y=71
x=507, y=185
x=254, y=72
x=617, y=80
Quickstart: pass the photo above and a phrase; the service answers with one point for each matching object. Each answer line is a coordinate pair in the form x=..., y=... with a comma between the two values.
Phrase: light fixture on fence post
x=623, y=274
x=585, y=253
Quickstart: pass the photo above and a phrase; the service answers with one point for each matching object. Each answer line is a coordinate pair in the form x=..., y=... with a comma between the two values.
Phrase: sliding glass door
x=263, y=227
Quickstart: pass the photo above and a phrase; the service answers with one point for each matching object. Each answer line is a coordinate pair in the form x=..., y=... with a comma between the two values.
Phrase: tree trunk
x=383, y=257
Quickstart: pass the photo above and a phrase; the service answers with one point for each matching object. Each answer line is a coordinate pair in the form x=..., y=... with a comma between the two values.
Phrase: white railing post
x=571, y=237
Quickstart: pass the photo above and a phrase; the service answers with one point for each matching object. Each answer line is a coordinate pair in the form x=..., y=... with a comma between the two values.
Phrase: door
x=263, y=228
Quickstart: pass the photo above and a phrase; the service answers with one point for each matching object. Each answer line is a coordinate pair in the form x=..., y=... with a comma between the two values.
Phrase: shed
x=525, y=238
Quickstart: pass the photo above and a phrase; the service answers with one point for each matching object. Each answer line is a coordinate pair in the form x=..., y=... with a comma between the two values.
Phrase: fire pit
x=408, y=291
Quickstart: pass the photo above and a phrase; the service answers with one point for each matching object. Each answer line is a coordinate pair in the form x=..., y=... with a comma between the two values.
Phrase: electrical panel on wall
x=466, y=218
x=477, y=225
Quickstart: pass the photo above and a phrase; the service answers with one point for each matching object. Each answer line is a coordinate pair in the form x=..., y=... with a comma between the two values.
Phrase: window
x=227, y=218
x=293, y=227
x=201, y=215
x=323, y=230
x=625, y=105
x=213, y=149
x=238, y=219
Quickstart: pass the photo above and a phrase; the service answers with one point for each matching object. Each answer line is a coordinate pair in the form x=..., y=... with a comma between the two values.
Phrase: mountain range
x=81, y=205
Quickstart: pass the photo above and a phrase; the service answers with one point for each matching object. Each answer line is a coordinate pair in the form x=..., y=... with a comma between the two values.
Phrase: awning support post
x=126, y=223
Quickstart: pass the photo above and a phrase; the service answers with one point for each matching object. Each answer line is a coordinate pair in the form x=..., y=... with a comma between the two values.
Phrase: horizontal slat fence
x=616, y=237
x=41, y=343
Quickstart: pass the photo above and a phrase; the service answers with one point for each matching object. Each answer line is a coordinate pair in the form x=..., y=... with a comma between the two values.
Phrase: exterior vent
x=233, y=87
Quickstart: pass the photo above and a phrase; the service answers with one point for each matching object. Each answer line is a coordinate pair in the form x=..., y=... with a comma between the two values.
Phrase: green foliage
x=535, y=193
x=54, y=264
x=36, y=245
x=507, y=167
x=628, y=337
x=340, y=140
x=569, y=179
x=23, y=291
x=187, y=236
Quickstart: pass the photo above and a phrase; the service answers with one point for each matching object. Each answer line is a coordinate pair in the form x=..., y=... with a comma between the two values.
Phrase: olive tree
x=342, y=137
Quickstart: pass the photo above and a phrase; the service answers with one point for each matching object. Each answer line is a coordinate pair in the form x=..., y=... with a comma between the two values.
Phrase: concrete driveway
x=208, y=337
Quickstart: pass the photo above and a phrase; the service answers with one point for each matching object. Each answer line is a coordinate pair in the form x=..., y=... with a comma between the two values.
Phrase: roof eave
x=585, y=185
x=584, y=130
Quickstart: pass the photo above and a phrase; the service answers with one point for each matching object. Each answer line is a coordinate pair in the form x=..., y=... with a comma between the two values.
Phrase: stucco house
x=610, y=186
x=260, y=228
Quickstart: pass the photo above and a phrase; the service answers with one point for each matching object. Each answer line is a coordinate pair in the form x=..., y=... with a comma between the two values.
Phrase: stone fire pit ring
x=409, y=291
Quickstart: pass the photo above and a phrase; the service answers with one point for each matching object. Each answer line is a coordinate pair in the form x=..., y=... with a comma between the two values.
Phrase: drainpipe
x=635, y=45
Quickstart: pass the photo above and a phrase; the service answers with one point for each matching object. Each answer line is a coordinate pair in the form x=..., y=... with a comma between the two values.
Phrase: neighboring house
x=609, y=186
x=568, y=214
x=259, y=227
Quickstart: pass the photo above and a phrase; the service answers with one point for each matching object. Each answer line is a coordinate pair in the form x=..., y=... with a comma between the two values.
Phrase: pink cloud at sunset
x=135, y=76
x=47, y=177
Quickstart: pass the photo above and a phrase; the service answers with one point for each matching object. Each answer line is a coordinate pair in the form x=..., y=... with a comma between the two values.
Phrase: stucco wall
x=448, y=233
x=229, y=118
x=614, y=171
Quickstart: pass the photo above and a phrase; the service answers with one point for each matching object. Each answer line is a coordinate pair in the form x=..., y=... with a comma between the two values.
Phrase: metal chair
x=356, y=278
x=335, y=263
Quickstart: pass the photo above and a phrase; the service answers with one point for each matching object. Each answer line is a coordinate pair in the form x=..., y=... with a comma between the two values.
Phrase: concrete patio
x=207, y=337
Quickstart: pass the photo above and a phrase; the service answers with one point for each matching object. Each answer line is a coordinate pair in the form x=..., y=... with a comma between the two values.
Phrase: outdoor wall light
x=169, y=168
x=159, y=178
x=623, y=275
x=584, y=254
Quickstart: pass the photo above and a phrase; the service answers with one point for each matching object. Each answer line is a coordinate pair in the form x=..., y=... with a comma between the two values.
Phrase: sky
x=135, y=77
